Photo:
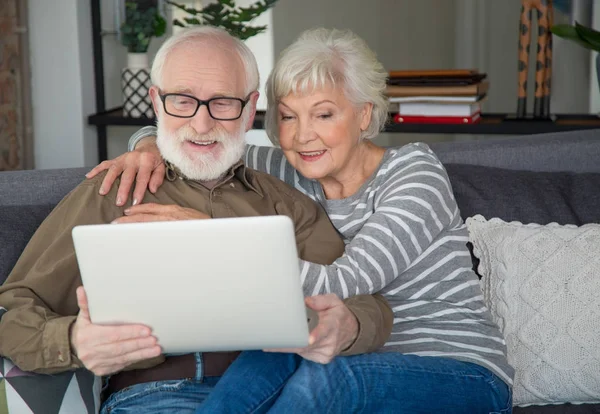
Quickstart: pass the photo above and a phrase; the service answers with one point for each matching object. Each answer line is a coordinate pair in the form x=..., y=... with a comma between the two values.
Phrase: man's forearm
x=36, y=344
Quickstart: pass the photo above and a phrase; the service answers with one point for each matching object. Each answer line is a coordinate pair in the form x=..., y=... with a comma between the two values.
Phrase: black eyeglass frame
x=200, y=102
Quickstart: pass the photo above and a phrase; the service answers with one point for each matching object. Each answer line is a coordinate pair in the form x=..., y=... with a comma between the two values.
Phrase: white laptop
x=201, y=285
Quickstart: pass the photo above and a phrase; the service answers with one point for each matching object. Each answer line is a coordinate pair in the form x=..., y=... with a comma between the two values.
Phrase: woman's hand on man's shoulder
x=144, y=166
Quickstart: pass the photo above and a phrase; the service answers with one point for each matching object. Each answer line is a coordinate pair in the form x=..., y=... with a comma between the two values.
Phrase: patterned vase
x=135, y=82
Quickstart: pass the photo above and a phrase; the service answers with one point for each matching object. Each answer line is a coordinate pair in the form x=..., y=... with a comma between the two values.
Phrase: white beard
x=198, y=166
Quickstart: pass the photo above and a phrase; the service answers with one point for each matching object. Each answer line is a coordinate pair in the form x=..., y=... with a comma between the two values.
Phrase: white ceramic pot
x=135, y=83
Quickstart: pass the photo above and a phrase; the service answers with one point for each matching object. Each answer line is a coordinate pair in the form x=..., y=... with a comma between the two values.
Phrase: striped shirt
x=404, y=238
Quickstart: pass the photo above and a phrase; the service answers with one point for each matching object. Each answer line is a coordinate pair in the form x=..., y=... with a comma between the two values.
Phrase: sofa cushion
x=540, y=283
x=68, y=392
x=526, y=196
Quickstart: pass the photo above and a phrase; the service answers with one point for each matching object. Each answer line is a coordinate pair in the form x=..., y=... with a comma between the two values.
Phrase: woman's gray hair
x=323, y=57
x=212, y=34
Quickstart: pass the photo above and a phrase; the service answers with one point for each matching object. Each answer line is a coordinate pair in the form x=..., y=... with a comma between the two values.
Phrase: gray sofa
x=541, y=178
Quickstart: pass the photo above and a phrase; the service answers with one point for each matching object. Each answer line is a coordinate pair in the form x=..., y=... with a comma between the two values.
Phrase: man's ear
x=366, y=113
x=156, y=103
x=252, y=101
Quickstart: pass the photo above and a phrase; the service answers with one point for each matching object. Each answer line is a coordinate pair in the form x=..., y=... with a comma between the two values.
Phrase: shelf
x=489, y=124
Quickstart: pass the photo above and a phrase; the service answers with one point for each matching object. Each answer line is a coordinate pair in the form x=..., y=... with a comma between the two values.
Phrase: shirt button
x=61, y=358
x=232, y=185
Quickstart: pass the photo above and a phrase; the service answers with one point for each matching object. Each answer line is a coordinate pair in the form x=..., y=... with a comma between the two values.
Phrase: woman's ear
x=366, y=114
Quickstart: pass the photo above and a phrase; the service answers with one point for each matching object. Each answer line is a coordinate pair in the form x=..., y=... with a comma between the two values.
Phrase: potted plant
x=226, y=15
x=140, y=26
x=583, y=36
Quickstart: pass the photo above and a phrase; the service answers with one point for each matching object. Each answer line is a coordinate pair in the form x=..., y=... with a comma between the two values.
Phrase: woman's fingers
x=110, y=177
x=157, y=178
x=104, y=165
x=141, y=184
x=127, y=179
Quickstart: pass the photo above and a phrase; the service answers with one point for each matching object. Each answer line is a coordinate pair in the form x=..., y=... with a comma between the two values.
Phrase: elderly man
x=204, y=94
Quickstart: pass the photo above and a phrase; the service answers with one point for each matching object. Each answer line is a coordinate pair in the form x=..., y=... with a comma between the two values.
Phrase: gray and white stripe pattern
x=405, y=239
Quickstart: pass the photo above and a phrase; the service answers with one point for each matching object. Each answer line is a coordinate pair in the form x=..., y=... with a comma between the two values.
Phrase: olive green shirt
x=39, y=294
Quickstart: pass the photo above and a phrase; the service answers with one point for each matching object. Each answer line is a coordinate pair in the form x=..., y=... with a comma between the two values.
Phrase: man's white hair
x=324, y=57
x=210, y=35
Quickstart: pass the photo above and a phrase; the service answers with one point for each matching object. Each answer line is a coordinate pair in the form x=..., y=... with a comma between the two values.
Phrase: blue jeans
x=160, y=397
x=163, y=397
x=260, y=382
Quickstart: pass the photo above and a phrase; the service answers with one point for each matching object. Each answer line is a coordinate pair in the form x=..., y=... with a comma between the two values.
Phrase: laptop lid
x=200, y=285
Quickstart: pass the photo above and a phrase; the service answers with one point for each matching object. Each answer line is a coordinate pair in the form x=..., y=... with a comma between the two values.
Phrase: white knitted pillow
x=542, y=285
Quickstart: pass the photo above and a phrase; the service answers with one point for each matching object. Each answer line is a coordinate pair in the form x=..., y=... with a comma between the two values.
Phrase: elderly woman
x=404, y=238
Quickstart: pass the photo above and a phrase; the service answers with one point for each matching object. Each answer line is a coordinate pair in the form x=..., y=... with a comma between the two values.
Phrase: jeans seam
x=256, y=410
x=403, y=368
x=348, y=373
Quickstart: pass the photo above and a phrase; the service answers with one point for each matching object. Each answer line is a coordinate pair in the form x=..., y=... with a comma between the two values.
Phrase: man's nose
x=202, y=122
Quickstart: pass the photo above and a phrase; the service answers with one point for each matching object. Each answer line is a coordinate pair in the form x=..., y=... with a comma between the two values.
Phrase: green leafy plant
x=582, y=35
x=226, y=15
x=140, y=26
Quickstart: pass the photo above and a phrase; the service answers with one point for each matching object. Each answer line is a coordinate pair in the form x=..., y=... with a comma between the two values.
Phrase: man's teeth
x=312, y=154
x=204, y=142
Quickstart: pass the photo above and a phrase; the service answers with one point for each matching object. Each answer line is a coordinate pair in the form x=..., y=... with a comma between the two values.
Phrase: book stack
x=437, y=96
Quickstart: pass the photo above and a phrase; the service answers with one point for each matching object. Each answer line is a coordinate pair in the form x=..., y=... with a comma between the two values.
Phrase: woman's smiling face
x=318, y=132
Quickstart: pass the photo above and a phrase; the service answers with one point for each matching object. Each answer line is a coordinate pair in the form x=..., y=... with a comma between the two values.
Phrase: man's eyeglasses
x=186, y=106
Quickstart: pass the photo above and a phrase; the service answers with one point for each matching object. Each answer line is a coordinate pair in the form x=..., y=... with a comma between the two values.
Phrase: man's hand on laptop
x=107, y=349
x=157, y=212
x=336, y=331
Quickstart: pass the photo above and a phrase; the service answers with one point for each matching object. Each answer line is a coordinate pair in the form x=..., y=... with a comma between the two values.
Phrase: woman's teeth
x=312, y=154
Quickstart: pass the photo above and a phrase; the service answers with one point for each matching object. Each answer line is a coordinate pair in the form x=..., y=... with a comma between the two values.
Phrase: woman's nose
x=305, y=132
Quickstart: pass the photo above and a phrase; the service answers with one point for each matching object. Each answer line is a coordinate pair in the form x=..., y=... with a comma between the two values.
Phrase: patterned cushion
x=541, y=285
x=70, y=392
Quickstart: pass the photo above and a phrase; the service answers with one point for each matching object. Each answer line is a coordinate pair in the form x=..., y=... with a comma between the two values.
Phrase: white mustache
x=188, y=134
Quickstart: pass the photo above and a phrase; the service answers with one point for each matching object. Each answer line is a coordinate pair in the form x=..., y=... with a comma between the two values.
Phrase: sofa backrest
x=576, y=151
x=26, y=198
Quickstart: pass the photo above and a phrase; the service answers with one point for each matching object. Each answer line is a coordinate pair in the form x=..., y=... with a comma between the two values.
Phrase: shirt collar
x=238, y=170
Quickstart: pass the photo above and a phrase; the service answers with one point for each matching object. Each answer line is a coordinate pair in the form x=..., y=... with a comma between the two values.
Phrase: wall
x=62, y=83
x=487, y=38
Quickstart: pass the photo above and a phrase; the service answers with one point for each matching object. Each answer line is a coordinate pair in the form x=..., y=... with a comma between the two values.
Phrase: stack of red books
x=437, y=96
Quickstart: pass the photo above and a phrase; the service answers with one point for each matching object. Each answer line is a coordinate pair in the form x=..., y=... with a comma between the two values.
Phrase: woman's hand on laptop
x=108, y=349
x=336, y=331
x=158, y=212
x=144, y=166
